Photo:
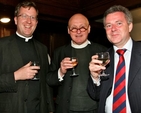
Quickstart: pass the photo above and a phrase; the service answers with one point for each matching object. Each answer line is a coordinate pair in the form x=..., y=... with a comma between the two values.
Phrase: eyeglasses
x=25, y=17
x=81, y=29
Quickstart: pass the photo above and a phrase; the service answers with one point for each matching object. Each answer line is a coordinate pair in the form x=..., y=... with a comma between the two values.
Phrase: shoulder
x=98, y=46
x=6, y=37
x=66, y=47
x=6, y=40
x=137, y=45
x=39, y=43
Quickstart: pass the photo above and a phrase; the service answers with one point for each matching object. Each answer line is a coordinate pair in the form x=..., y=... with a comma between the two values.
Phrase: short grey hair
x=119, y=8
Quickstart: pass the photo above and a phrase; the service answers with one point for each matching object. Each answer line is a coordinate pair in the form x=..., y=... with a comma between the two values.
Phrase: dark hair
x=119, y=8
x=25, y=4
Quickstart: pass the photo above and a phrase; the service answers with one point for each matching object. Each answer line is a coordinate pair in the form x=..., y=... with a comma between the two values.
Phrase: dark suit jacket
x=11, y=92
x=134, y=82
x=64, y=87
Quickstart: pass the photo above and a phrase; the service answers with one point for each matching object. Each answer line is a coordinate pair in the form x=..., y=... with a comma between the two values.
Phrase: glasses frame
x=25, y=17
x=81, y=29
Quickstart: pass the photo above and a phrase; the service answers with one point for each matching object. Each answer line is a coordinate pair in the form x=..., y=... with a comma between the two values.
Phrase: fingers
x=31, y=67
x=95, y=66
x=34, y=67
x=26, y=72
x=107, y=62
x=28, y=64
x=65, y=64
x=95, y=57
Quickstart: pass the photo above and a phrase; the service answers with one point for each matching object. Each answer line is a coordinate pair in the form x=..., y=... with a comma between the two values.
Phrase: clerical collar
x=80, y=46
x=26, y=38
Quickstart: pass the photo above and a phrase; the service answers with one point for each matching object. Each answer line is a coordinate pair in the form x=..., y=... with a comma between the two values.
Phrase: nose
x=78, y=31
x=113, y=27
x=28, y=20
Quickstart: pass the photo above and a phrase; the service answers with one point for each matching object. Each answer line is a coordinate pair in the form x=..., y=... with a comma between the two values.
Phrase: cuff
x=96, y=82
x=59, y=76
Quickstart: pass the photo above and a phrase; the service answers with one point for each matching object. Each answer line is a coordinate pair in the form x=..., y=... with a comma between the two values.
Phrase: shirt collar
x=26, y=38
x=80, y=46
x=127, y=46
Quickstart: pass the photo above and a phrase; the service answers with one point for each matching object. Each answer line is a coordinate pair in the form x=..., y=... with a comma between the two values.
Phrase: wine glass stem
x=73, y=70
x=103, y=72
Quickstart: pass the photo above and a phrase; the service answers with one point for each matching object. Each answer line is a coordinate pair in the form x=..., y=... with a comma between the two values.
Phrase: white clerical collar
x=26, y=38
x=80, y=46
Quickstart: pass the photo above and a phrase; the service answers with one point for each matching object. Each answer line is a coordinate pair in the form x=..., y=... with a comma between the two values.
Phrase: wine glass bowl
x=74, y=62
x=104, y=57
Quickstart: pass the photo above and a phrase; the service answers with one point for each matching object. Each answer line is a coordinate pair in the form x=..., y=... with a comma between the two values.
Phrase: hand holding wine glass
x=74, y=62
x=35, y=63
x=104, y=57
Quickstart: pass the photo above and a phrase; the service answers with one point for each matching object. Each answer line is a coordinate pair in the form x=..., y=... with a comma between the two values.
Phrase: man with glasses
x=19, y=93
x=72, y=96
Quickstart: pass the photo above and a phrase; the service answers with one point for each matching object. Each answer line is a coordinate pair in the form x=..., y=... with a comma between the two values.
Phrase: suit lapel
x=15, y=53
x=111, y=62
x=135, y=63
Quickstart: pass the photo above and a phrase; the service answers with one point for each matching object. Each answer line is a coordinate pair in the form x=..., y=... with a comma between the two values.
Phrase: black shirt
x=31, y=93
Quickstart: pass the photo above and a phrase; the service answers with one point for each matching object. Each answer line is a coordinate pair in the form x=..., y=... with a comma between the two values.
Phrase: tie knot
x=121, y=51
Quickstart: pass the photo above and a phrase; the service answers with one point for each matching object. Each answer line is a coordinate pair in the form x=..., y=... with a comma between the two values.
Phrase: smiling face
x=26, y=25
x=78, y=28
x=117, y=28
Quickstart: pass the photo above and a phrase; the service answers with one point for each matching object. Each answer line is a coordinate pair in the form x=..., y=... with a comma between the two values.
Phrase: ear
x=89, y=29
x=15, y=19
x=130, y=27
x=37, y=22
x=68, y=30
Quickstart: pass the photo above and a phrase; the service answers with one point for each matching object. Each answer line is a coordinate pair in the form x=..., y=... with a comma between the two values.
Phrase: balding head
x=78, y=18
x=78, y=28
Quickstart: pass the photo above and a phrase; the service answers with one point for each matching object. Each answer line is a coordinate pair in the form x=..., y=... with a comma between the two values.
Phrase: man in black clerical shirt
x=19, y=93
x=72, y=96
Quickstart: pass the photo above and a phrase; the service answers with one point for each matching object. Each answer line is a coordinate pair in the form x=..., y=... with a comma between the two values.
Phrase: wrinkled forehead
x=78, y=20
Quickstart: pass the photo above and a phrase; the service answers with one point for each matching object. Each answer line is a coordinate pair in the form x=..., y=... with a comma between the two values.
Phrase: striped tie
x=119, y=97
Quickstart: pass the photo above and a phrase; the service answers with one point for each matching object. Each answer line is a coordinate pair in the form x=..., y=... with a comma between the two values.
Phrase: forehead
x=116, y=16
x=78, y=20
x=30, y=10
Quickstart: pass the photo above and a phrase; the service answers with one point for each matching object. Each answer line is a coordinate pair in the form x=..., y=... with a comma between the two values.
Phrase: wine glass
x=74, y=62
x=35, y=63
x=103, y=56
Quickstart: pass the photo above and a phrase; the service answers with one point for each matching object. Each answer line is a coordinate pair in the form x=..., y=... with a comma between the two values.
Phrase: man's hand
x=65, y=64
x=95, y=67
x=26, y=72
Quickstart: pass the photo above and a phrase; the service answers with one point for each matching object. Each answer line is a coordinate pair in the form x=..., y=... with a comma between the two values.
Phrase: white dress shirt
x=127, y=57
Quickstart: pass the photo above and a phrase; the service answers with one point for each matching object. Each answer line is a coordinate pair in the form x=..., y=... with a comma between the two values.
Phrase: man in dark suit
x=19, y=93
x=118, y=24
x=72, y=96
